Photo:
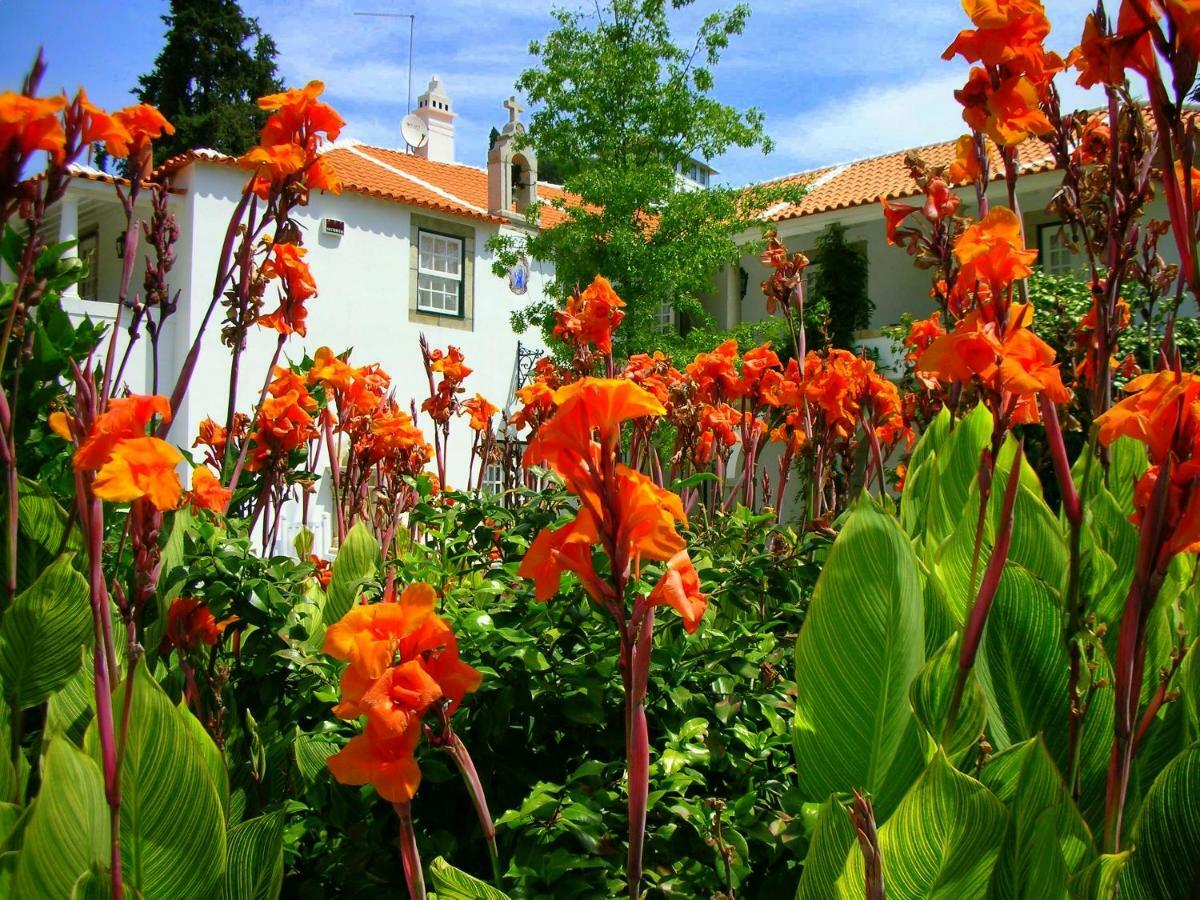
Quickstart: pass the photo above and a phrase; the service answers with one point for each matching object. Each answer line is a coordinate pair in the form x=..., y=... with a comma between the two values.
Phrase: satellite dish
x=414, y=131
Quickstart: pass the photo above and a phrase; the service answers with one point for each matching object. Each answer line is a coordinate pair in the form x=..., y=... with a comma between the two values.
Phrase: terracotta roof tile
x=451, y=188
x=865, y=181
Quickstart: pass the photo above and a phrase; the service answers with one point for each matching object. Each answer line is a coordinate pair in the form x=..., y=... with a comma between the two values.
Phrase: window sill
x=440, y=320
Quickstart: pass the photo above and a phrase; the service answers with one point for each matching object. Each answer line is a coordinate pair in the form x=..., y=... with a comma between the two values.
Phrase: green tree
x=841, y=284
x=618, y=102
x=215, y=62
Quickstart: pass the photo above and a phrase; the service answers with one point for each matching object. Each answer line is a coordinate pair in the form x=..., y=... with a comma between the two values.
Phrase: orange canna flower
x=60, y=424
x=320, y=177
x=894, y=215
x=1189, y=184
x=298, y=114
x=207, y=492
x=1103, y=59
x=591, y=316
x=141, y=467
x=322, y=570
x=586, y=406
x=481, y=412
x=274, y=162
x=332, y=370
x=679, y=588
x=287, y=264
x=1008, y=114
x=190, y=623
x=99, y=126
x=29, y=124
x=554, y=551
x=993, y=250
x=965, y=168
x=646, y=515
x=388, y=765
x=141, y=125
x=126, y=417
x=398, y=698
x=922, y=334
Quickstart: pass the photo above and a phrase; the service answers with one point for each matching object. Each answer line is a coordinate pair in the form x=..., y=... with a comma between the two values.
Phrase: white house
x=400, y=252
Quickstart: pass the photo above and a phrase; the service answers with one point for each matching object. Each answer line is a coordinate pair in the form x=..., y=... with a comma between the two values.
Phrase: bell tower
x=512, y=171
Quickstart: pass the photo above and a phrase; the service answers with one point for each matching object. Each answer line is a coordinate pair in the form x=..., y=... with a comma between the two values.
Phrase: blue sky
x=837, y=79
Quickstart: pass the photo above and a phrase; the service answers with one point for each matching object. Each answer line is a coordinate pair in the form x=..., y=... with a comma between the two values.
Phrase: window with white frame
x=1054, y=253
x=439, y=273
x=493, y=478
x=666, y=318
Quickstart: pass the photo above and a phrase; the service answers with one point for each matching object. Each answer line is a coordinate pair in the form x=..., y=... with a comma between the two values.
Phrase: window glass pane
x=436, y=294
x=439, y=255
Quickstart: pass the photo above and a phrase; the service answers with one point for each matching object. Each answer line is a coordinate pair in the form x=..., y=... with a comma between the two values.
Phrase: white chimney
x=434, y=107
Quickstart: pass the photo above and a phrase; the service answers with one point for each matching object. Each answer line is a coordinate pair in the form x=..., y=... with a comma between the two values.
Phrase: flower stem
x=414, y=877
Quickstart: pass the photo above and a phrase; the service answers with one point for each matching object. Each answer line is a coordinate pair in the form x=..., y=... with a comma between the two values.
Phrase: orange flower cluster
x=296, y=285
x=284, y=423
x=1002, y=96
x=443, y=402
x=287, y=152
x=591, y=316
x=403, y=660
x=383, y=436
x=1162, y=411
x=128, y=465
x=787, y=273
x=620, y=509
x=29, y=124
x=191, y=623
x=537, y=397
x=939, y=207
x=1007, y=358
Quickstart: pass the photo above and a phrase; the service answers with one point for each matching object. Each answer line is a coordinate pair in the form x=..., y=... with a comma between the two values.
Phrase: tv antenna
x=412, y=19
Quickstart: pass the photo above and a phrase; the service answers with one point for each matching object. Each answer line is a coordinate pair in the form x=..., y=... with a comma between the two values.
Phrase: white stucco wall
x=362, y=304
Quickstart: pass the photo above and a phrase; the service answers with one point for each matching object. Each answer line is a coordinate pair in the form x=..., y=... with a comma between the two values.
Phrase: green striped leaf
x=1022, y=665
x=940, y=844
x=930, y=695
x=72, y=706
x=255, y=868
x=1046, y=839
x=1165, y=864
x=68, y=829
x=41, y=634
x=43, y=532
x=861, y=645
x=1100, y=879
x=214, y=760
x=454, y=884
x=172, y=829
x=832, y=838
x=957, y=473
x=357, y=561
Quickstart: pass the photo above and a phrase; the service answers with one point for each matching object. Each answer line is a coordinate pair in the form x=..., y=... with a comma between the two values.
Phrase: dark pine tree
x=214, y=64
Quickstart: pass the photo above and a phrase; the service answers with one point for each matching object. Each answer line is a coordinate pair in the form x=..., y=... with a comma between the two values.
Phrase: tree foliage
x=619, y=103
x=214, y=63
x=841, y=283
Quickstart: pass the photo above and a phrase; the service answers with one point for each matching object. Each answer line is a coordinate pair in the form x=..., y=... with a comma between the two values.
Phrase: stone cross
x=514, y=107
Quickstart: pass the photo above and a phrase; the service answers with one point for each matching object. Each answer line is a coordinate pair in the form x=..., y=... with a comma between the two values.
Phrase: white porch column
x=68, y=230
x=733, y=296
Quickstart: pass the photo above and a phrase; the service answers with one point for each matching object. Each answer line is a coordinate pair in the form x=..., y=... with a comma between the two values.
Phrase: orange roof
x=450, y=188
x=865, y=181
